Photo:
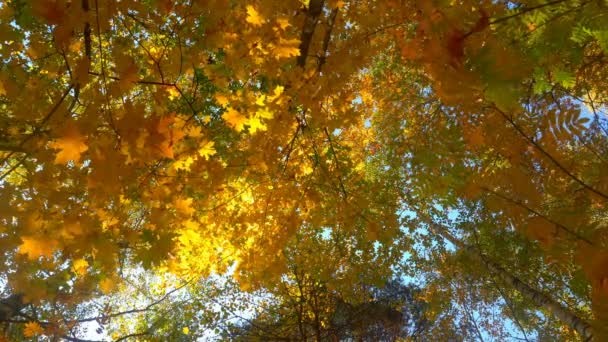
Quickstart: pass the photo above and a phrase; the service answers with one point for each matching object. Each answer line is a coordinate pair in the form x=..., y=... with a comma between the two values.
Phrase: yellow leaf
x=173, y=93
x=278, y=90
x=306, y=170
x=247, y=196
x=71, y=145
x=255, y=124
x=260, y=100
x=183, y=164
x=222, y=100
x=207, y=150
x=283, y=23
x=35, y=248
x=184, y=206
x=80, y=266
x=287, y=48
x=234, y=119
x=253, y=17
x=186, y=330
x=32, y=329
x=264, y=113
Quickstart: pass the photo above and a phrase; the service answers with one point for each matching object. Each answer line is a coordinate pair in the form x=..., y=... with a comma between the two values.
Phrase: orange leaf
x=35, y=248
x=71, y=145
x=234, y=119
x=32, y=329
x=540, y=229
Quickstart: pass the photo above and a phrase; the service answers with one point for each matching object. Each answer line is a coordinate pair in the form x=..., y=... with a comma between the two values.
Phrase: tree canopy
x=168, y=166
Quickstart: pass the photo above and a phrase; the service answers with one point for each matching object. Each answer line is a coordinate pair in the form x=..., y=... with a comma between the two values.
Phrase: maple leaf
x=255, y=124
x=221, y=99
x=80, y=267
x=234, y=119
x=32, y=329
x=260, y=100
x=35, y=248
x=183, y=163
x=264, y=113
x=287, y=48
x=71, y=145
x=207, y=150
x=184, y=206
x=253, y=17
x=278, y=90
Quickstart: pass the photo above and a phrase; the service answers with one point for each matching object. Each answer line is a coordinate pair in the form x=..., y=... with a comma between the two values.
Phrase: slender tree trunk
x=537, y=297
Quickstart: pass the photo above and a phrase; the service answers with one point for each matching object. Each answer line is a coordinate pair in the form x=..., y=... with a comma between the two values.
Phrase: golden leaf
x=207, y=150
x=35, y=248
x=264, y=113
x=253, y=17
x=278, y=90
x=260, y=100
x=234, y=119
x=173, y=93
x=287, y=48
x=183, y=163
x=71, y=145
x=184, y=206
x=222, y=100
x=80, y=267
x=255, y=124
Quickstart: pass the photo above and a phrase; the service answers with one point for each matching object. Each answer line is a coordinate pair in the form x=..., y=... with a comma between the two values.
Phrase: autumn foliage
x=340, y=142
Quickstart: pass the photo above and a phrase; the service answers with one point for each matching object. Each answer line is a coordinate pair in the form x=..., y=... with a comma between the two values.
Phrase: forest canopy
x=321, y=170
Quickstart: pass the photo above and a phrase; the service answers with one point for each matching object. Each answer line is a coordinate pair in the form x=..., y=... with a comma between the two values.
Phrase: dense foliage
x=167, y=167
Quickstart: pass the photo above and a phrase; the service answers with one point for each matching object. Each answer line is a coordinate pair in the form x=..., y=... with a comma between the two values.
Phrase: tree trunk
x=10, y=307
x=537, y=297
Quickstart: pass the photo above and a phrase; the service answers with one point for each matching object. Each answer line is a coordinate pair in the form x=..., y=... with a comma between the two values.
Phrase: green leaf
x=564, y=78
x=602, y=39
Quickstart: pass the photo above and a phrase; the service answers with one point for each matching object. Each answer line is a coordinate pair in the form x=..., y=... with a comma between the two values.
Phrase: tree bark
x=315, y=8
x=10, y=307
x=583, y=328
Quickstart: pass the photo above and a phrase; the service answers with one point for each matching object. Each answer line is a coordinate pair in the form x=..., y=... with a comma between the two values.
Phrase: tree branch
x=326, y=40
x=315, y=7
x=549, y=156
